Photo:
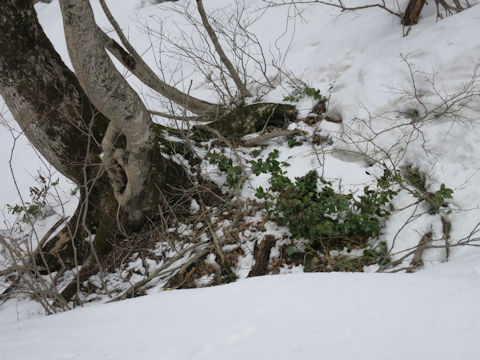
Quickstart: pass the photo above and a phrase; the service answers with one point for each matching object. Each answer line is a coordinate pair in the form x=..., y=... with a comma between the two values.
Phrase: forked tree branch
x=138, y=67
x=108, y=90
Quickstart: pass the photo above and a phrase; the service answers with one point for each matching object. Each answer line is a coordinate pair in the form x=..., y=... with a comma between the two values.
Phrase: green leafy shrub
x=256, y=153
x=313, y=210
x=301, y=93
x=416, y=178
x=442, y=194
x=292, y=141
x=225, y=165
x=270, y=166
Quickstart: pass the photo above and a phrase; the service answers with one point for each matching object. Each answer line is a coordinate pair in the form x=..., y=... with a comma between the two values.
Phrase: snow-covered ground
x=369, y=70
x=310, y=316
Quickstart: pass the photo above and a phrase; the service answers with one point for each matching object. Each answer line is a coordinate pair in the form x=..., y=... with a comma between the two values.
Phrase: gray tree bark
x=43, y=95
x=48, y=103
x=71, y=119
x=108, y=90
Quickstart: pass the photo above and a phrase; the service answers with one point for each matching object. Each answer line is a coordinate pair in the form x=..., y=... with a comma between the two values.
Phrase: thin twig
x=160, y=271
x=223, y=57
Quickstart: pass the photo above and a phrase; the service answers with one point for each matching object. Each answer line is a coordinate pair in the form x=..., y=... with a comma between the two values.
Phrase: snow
x=328, y=316
x=360, y=61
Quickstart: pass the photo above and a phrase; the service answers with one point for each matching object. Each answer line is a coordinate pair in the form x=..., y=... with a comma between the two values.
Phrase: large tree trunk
x=61, y=122
x=128, y=166
x=71, y=119
x=46, y=100
x=43, y=95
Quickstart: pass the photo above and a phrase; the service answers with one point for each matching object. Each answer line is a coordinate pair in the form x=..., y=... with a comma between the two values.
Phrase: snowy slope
x=355, y=58
x=358, y=60
x=303, y=316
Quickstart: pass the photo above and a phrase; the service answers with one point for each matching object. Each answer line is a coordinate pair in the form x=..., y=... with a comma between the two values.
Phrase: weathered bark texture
x=412, y=13
x=43, y=95
x=129, y=167
x=261, y=254
x=55, y=114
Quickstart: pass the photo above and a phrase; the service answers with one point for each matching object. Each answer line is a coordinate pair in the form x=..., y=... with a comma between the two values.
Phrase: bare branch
x=223, y=57
x=134, y=63
x=339, y=4
x=176, y=117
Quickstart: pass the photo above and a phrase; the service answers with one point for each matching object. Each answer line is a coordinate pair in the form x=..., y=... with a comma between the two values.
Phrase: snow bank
x=303, y=316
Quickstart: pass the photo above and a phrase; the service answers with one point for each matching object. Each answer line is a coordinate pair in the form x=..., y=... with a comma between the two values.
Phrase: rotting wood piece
x=261, y=254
